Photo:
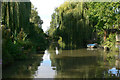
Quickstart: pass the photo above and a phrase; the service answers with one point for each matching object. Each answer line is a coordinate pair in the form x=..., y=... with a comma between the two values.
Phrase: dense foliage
x=70, y=25
x=105, y=17
x=76, y=24
x=21, y=31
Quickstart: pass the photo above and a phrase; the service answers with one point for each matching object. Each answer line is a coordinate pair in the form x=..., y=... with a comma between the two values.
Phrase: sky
x=45, y=9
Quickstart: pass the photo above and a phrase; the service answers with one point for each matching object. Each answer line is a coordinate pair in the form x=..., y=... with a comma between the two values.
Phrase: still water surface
x=81, y=63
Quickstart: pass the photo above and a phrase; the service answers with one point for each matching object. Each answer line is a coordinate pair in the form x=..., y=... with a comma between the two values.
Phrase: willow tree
x=73, y=24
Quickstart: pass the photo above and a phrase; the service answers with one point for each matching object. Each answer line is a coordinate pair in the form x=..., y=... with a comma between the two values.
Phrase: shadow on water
x=23, y=69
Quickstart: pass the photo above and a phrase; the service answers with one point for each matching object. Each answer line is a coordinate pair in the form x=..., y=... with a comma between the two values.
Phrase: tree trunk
x=105, y=33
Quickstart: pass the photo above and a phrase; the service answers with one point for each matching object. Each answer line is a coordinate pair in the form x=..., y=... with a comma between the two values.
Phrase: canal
x=80, y=63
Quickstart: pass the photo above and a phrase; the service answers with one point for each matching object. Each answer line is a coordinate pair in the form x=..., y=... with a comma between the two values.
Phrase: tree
x=72, y=22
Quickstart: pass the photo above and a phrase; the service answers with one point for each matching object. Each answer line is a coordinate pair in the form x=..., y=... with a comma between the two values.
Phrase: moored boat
x=92, y=45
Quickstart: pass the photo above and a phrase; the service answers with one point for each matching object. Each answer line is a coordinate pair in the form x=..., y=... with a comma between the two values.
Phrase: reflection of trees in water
x=77, y=66
x=112, y=60
x=22, y=69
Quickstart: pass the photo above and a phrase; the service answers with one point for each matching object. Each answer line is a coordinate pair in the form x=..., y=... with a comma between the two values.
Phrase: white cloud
x=45, y=9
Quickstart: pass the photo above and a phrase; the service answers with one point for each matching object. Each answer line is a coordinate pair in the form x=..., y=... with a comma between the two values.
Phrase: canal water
x=81, y=63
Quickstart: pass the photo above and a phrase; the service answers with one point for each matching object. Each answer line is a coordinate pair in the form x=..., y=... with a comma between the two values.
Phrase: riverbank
x=25, y=55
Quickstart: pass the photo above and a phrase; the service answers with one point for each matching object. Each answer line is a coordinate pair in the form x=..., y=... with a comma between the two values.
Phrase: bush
x=11, y=52
x=110, y=41
x=6, y=58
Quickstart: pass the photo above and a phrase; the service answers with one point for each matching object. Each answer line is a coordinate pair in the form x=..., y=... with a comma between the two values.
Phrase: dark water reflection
x=22, y=69
x=82, y=63
x=78, y=64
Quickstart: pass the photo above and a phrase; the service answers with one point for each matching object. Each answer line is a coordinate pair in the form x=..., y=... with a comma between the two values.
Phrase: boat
x=92, y=45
